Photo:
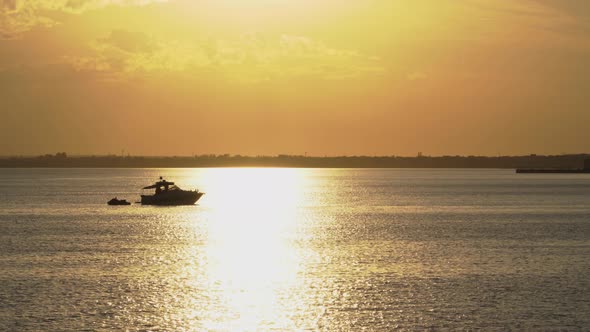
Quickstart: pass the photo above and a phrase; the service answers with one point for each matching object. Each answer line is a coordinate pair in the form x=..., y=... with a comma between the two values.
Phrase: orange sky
x=332, y=77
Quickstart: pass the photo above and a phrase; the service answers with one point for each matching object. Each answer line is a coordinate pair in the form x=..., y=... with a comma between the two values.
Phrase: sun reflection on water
x=252, y=262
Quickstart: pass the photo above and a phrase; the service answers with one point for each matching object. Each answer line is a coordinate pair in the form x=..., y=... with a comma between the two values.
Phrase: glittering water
x=291, y=249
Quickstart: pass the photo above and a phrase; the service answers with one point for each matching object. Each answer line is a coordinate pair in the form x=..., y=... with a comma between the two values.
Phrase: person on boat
x=158, y=190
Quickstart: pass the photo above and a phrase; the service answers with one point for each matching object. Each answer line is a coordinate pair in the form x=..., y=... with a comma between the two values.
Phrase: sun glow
x=273, y=4
x=260, y=15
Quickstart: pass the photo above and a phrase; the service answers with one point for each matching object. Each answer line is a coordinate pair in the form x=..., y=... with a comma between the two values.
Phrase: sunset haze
x=267, y=77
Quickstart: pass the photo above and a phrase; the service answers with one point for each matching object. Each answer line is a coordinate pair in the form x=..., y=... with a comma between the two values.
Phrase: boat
x=116, y=201
x=168, y=193
x=584, y=170
x=552, y=171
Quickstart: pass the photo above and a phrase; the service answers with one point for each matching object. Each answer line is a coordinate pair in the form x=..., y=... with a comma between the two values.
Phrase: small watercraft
x=167, y=193
x=116, y=201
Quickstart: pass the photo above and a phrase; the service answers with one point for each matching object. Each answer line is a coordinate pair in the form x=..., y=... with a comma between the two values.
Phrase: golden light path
x=251, y=257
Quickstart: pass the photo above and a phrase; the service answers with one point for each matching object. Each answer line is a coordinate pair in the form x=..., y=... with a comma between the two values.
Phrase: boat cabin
x=162, y=186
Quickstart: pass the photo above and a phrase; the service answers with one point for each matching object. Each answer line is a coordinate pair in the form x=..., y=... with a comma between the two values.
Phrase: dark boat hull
x=117, y=202
x=172, y=198
x=552, y=171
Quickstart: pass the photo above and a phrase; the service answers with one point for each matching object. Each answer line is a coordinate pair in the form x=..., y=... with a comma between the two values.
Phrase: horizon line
x=228, y=155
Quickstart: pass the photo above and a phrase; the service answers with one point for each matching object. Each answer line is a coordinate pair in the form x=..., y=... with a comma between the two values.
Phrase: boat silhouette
x=116, y=201
x=168, y=193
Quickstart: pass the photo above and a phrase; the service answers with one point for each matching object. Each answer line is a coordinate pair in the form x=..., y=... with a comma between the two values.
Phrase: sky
x=267, y=77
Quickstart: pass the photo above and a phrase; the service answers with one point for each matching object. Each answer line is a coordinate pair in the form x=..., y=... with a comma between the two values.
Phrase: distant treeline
x=530, y=161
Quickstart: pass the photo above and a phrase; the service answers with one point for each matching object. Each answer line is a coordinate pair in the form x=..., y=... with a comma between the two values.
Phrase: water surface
x=295, y=249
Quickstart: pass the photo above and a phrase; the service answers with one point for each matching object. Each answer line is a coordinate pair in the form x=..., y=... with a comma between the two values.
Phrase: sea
x=280, y=249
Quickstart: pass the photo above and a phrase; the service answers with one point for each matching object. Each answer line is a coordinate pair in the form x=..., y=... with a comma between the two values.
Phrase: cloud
x=125, y=54
x=541, y=13
x=571, y=7
x=250, y=58
x=129, y=41
x=19, y=16
x=575, y=15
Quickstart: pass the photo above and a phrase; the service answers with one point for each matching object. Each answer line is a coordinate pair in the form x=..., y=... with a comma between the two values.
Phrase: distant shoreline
x=61, y=160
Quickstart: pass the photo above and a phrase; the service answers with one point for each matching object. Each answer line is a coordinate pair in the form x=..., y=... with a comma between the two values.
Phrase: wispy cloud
x=541, y=13
x=18, y=16
x=251, y=58
x=579, y=8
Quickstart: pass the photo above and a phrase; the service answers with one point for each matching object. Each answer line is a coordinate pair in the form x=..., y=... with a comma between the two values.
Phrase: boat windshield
x=160, y=187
